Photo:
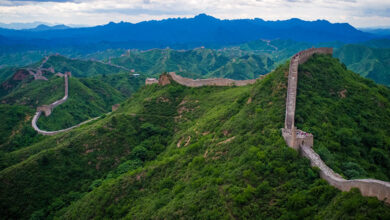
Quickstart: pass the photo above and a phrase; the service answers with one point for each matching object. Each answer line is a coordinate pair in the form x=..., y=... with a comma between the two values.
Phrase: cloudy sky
x=360, y=13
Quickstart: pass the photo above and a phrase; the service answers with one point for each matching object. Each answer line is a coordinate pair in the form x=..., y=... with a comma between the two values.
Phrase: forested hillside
x=81, y=68
x=197, y=63
x=349, y=117
x=239, y=61
x=372, y=63
x=209, y=152
x=89, y=97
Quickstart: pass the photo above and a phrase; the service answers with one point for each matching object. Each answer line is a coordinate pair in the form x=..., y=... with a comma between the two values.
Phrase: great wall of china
x=303, y=142
x=163, y=80
x=295, y=138
x=47, y=109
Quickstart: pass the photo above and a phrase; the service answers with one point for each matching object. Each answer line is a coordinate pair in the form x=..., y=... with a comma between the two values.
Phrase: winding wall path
x=47, y=109
x=303, y=141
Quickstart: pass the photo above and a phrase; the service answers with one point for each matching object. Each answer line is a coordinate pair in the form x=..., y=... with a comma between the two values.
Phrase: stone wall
x=210, y=82
x=47, y=109
x=297, y=59
x=303, y=141
x=149, y=81
x=38, y=114
x=367, y=187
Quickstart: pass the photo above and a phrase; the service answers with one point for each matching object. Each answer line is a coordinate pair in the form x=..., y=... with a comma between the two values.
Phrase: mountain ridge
x=205, y=31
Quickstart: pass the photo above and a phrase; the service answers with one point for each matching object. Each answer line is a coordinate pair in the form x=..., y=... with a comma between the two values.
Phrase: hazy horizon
x=34, y=24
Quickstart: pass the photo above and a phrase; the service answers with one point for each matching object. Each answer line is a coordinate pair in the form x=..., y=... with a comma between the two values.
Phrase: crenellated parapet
x=303, y=142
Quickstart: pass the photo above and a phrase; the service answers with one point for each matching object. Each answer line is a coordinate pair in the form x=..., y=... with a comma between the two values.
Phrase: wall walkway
x=303, y=141
x=47, y=109
x=210, y=82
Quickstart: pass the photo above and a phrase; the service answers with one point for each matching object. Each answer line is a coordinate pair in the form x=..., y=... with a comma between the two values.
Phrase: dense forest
x=354, y=141
x=210, y=152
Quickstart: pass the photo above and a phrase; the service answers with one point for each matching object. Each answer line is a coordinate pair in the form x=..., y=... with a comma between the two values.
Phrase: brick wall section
x=297, y=59
x=210, y=82
x=368, y=187
x=303, y=141
x=150, y=81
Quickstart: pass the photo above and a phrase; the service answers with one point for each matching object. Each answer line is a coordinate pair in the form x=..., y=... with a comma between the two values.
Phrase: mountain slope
x=349, y=117
x=197, y=63
x=373, y=63
x=88, y=97
x=173, y=152
x=81, y=68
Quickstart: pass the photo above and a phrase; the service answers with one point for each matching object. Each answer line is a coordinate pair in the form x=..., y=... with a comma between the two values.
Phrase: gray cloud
x=385, y=12
x=137, y=11
x=16, y=1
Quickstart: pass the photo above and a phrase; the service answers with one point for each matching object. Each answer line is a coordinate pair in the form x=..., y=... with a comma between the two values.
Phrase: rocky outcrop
x=164, y=79
x=303, y=142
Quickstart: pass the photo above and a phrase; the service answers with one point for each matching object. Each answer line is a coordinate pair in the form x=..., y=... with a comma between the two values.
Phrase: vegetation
x=372, y=63
x=88, y=97
x=81, y=68
x=177, y=152
x=243, y=61
x=6, y=72
x=15, y=128
x=196, y=63
x=349, y=117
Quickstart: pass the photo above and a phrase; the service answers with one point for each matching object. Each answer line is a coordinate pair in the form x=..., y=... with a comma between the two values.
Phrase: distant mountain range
x=32, y=25
x=184, y=33
x=377, y=31
x=43, y=27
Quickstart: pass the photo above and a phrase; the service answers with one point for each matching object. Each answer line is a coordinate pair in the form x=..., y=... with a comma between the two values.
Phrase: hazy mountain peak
x=204, y=17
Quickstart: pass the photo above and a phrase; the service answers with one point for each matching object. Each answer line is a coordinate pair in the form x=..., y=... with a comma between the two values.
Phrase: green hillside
x=177, y=152
x=196, y=63
x=18, y=108
x=89, y=97
x=278, y=50
x=9, y=57
x=80, y=68
x=15, y=129
x=372, y=63
x=6, y=72
x=349, y=117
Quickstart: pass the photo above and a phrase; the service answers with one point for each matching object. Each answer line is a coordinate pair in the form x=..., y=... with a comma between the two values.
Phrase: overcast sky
x=359, y=13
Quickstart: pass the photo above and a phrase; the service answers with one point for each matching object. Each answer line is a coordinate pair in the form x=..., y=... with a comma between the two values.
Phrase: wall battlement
x=303, y=142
